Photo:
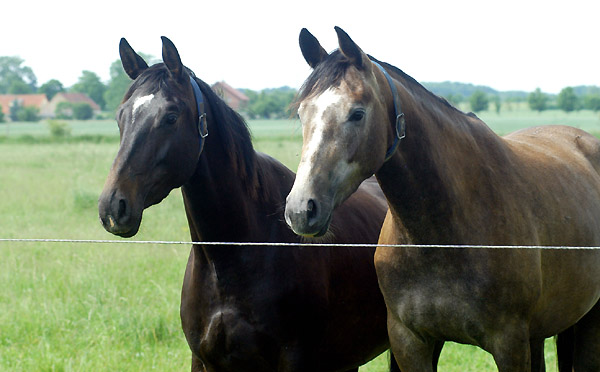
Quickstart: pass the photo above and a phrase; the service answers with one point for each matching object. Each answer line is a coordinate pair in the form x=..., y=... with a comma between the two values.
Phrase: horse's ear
x=172, y=60
x=133, y=64
x=351, y=51
x=311, y=49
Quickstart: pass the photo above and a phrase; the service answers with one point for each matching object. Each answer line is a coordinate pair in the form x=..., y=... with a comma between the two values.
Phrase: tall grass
x=112, y=307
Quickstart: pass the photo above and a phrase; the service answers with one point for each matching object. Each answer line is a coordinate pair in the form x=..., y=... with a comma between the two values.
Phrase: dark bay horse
x=243, y=308
x=449, y=179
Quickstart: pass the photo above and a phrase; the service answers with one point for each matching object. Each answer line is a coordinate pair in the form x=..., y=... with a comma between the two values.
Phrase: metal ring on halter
x=400, y=123
x=202, y=129
x=202, y=125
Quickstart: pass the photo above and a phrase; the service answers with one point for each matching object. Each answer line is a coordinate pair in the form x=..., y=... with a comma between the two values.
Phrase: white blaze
x=333, y=100
x=140, y=101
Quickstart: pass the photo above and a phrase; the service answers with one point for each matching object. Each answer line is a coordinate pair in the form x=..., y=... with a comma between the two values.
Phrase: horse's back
x=559, y=140
x=556, y=179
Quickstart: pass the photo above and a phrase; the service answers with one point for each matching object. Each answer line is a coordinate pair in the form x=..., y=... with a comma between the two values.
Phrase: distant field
x=509, y=121
x=114, y=307
x=78, y=128
x=511, y=118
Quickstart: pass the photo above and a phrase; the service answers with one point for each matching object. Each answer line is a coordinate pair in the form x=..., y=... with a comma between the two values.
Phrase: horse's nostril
x=122, y=209
x=312, y=210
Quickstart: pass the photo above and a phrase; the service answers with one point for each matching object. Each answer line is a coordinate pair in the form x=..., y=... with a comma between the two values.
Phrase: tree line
x=15, y=78
x=481, y=98
x=567, y=100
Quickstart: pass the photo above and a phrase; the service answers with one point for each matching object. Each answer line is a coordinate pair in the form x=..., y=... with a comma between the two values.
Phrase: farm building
x=49, y=110
x=233, y=97
x=25, y=100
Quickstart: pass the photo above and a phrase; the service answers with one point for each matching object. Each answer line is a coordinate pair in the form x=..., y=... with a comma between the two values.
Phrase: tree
x=18, y=112
x=592, y=102
x=82, y=111
x=479, y=101
x=119, y=82
x=567, y=100
x=51, y=87
x=20, y=87
x=497, y=103
x=64, y=110
x=28, y=113
x=537, y=100
x=90, y=84
x=1, y=115
x=270, y=103
x=454, y=98
x=117, y=86
x=12, y=73
x=13, y=110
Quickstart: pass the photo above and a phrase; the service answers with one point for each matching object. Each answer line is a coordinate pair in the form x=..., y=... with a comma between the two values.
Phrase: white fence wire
x=300, y=244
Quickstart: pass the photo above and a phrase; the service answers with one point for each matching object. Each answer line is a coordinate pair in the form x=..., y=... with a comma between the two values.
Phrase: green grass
x=107, y=307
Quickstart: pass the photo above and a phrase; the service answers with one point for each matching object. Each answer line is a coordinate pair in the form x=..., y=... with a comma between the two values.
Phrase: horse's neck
x=220, y=203
x=431, y=175
x=216, y=199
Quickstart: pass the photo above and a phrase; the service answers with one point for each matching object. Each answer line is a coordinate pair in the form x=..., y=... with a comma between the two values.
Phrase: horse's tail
x=565, y=348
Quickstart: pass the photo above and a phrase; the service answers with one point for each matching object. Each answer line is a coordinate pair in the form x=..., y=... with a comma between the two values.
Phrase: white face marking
x=141, y=101
x=331, y=98
x=321, y=103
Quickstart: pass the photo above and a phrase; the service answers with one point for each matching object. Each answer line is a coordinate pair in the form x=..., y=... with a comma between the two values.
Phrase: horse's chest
x=229, y=341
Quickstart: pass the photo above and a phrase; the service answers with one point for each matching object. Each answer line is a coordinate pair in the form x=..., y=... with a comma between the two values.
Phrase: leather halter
x=202, y=126
x=400, y=125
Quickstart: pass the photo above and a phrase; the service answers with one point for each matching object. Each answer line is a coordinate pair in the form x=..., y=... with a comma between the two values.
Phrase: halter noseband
x=400, y=123
x=202, y=126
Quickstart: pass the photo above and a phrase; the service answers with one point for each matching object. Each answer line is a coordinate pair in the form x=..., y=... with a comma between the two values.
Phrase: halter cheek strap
x=202, y=126
x=400, y=124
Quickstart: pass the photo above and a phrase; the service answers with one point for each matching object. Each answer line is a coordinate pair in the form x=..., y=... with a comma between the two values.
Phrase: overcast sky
x=508, y=44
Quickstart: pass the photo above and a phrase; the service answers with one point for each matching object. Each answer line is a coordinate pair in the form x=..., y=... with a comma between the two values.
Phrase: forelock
x=329, y=73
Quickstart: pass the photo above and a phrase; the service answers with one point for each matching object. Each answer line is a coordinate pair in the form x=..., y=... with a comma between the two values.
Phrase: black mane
x=233, y=131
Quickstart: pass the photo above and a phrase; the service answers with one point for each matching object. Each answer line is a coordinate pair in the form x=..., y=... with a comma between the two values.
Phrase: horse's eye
x=357, y=115
x=171, y=118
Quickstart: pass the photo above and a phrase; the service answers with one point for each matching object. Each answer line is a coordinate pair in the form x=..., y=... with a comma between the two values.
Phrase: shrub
x=479, y=101
x=64, y=110
x=28, y=113
x=82, y=111
x=59, y=128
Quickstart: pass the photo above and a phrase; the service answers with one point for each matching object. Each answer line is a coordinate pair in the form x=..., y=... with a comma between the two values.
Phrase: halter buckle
x=202, y=126
x=400, y=126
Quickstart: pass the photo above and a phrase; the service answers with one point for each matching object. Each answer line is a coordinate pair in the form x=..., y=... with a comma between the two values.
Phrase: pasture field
x=115, y=307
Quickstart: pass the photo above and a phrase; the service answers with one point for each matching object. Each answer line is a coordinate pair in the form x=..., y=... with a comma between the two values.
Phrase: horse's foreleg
x=197, y=365
x=393, y=364
x=565, y=347
x=411, y=352
x=538, y=363
x=511, y=349
x=437, y=350
x=587, y=342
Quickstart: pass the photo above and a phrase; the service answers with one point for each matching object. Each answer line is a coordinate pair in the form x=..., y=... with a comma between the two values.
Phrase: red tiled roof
x=229, y=89
x=76, y=98
x=35, y=100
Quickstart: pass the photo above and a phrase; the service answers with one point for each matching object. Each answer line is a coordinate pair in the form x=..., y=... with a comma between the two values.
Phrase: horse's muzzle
x=307, y=217
x=118, y=214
